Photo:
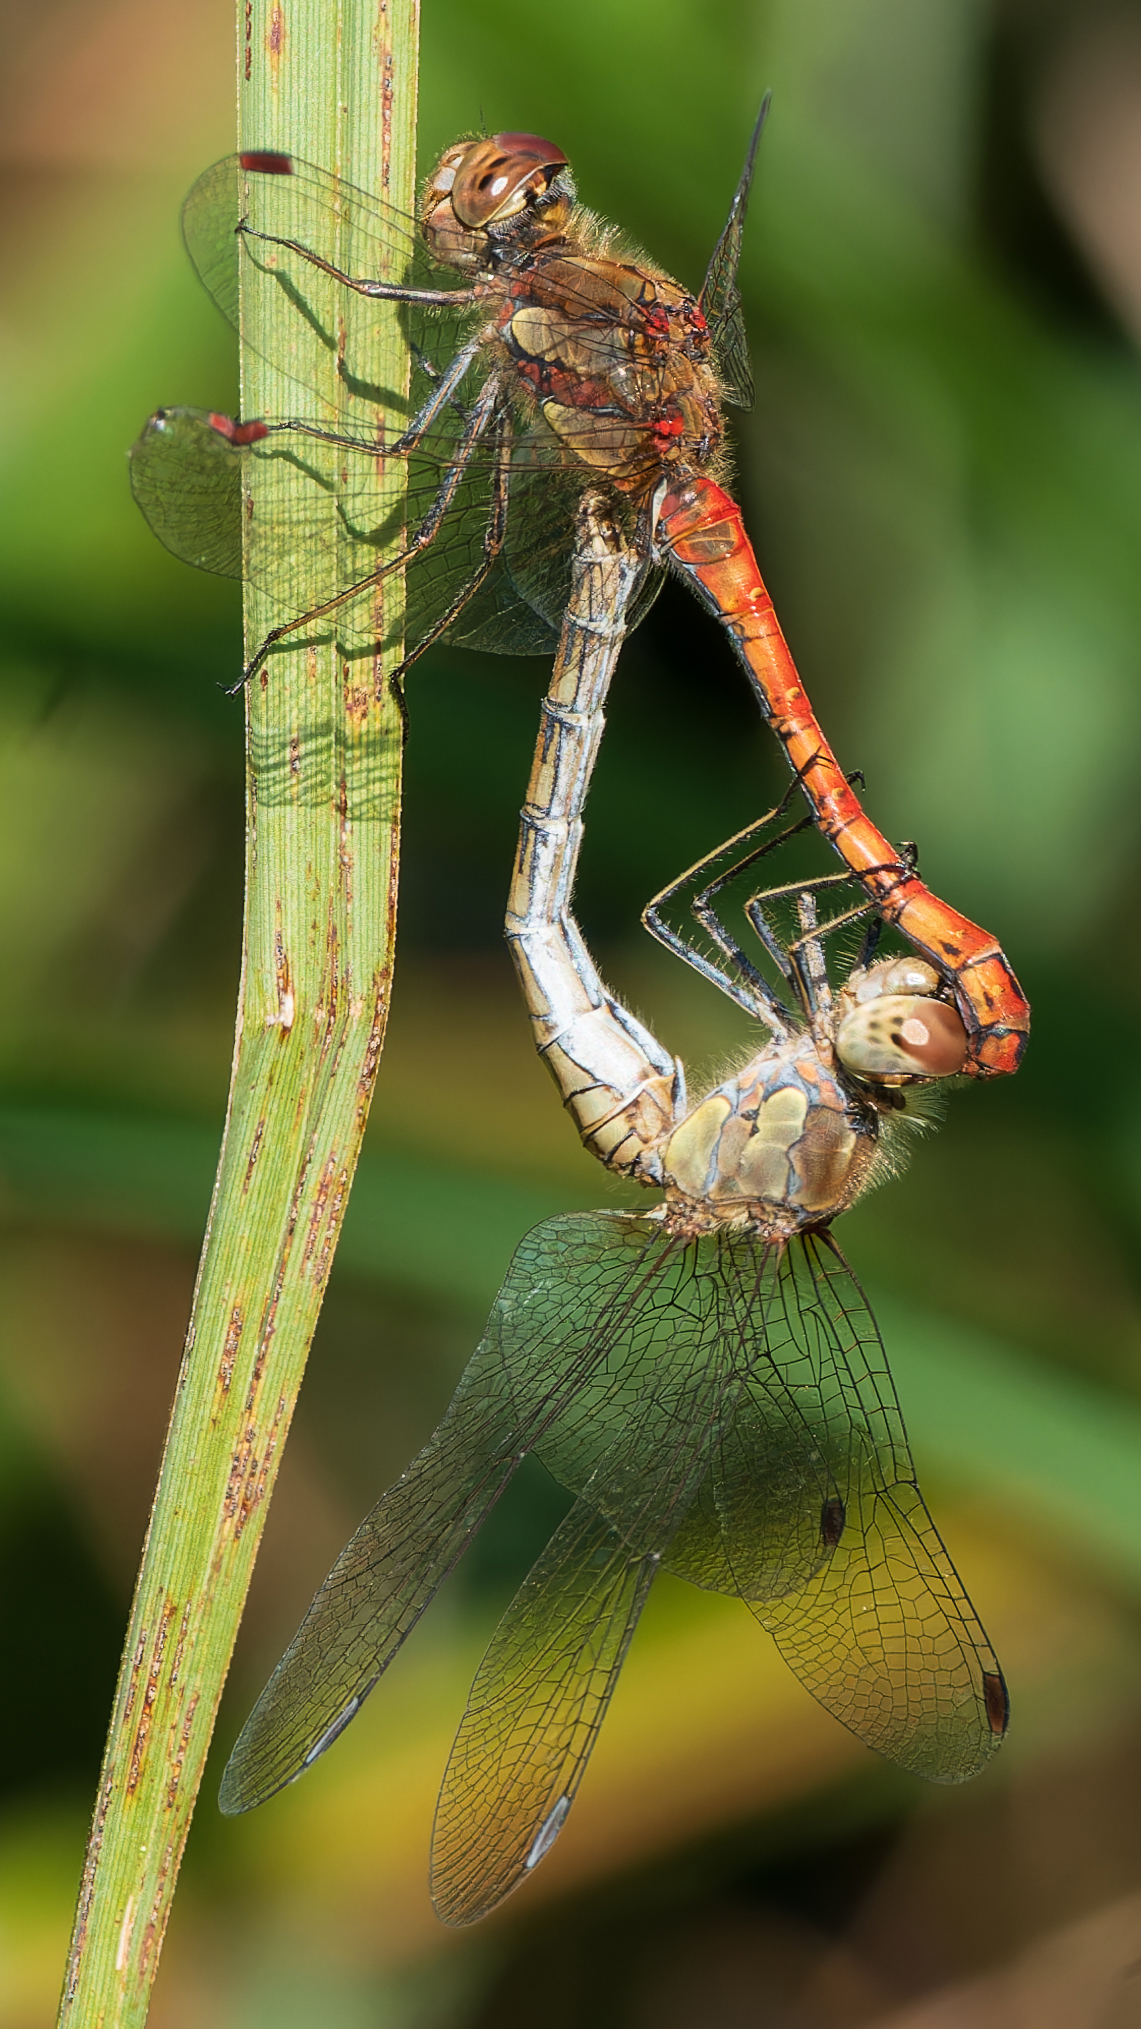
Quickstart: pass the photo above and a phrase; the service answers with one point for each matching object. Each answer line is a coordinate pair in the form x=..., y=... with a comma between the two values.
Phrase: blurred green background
x=943, y=475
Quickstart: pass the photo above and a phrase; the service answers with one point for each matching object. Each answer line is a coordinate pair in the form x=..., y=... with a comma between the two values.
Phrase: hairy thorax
x=617, y=360
x=781, y=1146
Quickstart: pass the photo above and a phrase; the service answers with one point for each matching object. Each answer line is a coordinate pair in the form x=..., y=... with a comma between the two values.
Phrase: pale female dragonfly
x=706, y=1378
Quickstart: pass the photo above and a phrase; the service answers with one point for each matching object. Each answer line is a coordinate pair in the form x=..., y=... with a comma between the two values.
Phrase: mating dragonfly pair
x=706, y=1378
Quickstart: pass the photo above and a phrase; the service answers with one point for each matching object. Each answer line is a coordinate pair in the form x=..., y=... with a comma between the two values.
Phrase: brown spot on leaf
x=371, y=1061
x=251, y=1161
x=175, y=1776
x=230, y=1349
x=133, y=1680
x=156, y=1922
x=322, y=1253
x=318, y=1209
x=357, y=699
x=154, y=1672
x=386, y=95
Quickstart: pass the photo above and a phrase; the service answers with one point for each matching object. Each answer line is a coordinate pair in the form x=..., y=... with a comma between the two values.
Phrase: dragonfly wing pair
x=718, y=1406
x=190, y=470
x=561, y=1316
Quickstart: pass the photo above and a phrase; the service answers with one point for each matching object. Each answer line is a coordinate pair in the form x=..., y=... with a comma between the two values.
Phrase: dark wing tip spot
x=267, y=162
x=997, y=1702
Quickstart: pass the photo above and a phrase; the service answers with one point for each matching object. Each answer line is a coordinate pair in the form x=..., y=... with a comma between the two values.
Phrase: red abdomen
x=700, y=531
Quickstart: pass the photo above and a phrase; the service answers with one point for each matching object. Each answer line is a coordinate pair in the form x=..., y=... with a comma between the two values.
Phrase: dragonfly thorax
x=618, y=361
x=783, y=1145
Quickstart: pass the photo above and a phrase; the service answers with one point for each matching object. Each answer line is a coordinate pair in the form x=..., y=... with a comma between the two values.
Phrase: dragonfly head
x=893, y=1030
x=492, y=188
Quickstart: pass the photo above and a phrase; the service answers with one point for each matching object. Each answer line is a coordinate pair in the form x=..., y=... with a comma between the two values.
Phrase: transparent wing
x=760, y=1522
x=354, y=231
x=533, y=1715
x=186, y=476
x=720, y=297
x=308, y=204
x=571, y=1293
x=809, y=1508
x=329, y=521
x=764, y=1522
x=543, y=1688
x=883, y=1634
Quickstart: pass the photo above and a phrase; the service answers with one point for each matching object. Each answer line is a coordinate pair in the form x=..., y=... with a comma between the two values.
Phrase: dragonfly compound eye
x=902, y=1036
x=498, y=177
x=898, y=975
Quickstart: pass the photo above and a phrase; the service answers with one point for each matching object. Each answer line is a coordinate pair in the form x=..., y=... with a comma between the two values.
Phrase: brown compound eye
x=496, y=176
x=902, y=1036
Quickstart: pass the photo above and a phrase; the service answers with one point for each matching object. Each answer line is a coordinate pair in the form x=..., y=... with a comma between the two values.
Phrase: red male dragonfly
x=568, y=363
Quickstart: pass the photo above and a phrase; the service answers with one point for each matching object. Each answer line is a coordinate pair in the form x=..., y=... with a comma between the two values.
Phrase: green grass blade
x=334, y=81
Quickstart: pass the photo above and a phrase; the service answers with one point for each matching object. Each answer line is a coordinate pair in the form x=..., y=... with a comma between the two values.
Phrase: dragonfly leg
x=494, y=535
x=739, y=977
x=388, y=292
x=348, y=440
x=741, y=982
x=799, y=961
x=623, y=1090
x=802, y=956
x=483, y=412
x=442, y=392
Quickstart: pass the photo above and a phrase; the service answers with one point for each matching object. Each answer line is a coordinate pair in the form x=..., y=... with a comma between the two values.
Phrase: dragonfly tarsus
x=494, y=536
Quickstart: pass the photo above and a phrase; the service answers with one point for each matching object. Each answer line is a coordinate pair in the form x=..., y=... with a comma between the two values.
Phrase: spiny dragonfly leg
x=804, y=953
x=739, y=978
x=807, y=953
x=622, y=1089
x=804, y=956
x=494, y=536
x=388, y=292
x=483, y=412
x=442, y=393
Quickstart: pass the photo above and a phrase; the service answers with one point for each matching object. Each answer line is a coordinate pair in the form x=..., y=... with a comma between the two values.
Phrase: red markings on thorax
x=667, y=429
